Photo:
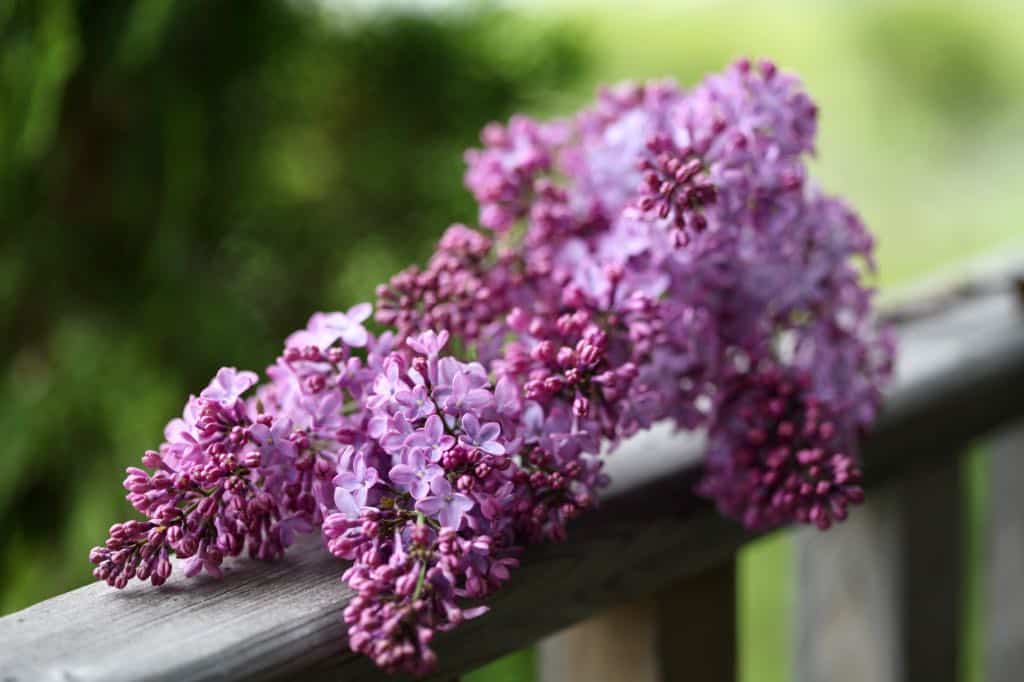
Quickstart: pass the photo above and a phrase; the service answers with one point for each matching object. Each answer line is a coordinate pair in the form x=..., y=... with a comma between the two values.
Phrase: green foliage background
x=183, y=182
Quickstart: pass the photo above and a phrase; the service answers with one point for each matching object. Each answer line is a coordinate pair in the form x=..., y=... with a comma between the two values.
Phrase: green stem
x=420, y=518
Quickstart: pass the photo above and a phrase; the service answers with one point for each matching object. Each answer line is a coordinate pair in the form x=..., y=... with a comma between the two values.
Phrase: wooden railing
x=648, y=579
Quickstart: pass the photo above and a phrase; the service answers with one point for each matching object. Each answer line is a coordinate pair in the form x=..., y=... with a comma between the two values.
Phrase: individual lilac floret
x=415, y=476
x=326, y=328
x=444, y=503
x=228, y=385
x=353, y=487
x=431, y=440
x=481, y=436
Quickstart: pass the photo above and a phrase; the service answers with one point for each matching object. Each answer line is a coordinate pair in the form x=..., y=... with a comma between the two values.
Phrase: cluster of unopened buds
x=658, y=256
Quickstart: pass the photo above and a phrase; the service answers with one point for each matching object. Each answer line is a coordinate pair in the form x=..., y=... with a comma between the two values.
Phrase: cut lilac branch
x=661, y=256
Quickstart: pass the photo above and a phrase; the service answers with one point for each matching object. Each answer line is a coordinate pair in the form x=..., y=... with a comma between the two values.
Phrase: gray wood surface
x=1004, y=630
x=879, y=597
x=961, y=377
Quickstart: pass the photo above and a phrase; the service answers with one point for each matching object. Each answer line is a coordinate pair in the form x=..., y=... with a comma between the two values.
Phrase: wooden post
x=685, y=632
x=696, y=635
x=880, y=596
x=1004, y=636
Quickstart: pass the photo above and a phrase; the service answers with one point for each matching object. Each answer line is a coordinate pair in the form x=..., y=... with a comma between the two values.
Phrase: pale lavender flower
x=387, y=384
x=353, y=487
x=444, y=504
x=431, y=439
x=415, y=403
x=466, y=395
x=415, y=475
x=228, y=385
x=428, y=343
x=482, y=436
x=326, y=328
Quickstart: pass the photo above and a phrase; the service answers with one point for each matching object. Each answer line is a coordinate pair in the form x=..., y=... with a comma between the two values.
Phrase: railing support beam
x=880, y=596
x=1004, y=636
x=687, y=631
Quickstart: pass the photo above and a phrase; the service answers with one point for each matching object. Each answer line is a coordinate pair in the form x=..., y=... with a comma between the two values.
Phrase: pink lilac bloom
x=661, y=255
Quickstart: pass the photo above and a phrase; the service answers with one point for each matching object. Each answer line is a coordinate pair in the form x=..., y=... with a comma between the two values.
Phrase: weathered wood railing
x=653, y=569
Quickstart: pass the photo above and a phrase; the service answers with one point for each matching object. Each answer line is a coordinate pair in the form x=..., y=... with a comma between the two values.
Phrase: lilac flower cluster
x=659, y=256
x=225, y=479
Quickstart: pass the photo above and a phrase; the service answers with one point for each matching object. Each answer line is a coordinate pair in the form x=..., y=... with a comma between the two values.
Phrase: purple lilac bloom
x=662, y=255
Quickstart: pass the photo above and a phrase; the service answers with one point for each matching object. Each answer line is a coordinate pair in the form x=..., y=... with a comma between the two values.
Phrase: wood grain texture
x=960, y=377
x=1004, y=630
x=616, y=644
x=880, y=597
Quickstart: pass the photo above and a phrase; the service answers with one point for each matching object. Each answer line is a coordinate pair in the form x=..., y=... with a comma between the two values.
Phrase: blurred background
x=183, y=182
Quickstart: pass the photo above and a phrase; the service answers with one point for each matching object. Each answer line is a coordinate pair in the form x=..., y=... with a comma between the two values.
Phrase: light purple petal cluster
x=662, y=255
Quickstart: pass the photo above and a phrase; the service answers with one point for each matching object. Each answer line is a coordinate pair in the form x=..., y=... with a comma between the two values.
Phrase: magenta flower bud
x=187, y=546
x=152, y=459
x=543, y=352
x=553, y=384
x=518, y=319
x=207, y=507
x=173, y=534
x=251, y=459
x=566, y=357
x=419, y=363
x=589, y=355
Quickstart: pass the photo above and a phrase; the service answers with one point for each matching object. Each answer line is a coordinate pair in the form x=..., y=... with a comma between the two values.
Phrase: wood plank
x=686, y=631
x=617, y=644
x=1004, y=629
x=880, y=597
x=282, y=620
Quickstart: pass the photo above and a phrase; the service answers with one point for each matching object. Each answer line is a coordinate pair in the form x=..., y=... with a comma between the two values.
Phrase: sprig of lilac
x=661, y=255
